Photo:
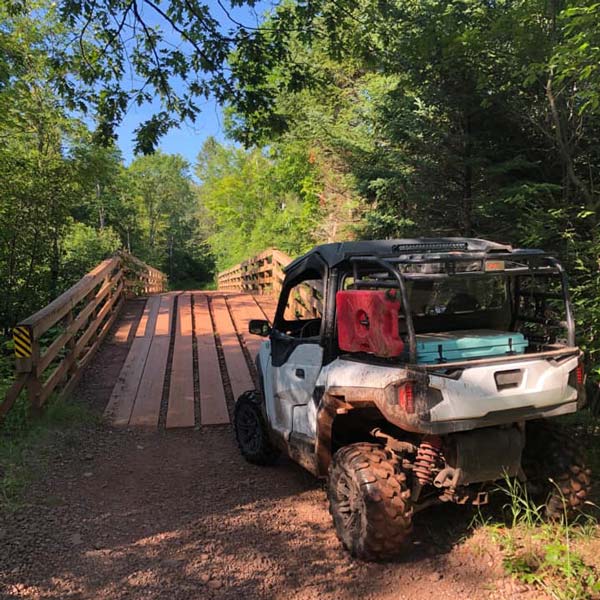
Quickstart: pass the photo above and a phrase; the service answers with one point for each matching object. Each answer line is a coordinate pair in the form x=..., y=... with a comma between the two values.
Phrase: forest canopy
x=68, y=201
x=343, y=120
x=461, y=117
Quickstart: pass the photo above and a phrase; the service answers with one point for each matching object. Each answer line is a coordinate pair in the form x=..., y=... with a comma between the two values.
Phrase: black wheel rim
x=249, y=430
x=349, y=503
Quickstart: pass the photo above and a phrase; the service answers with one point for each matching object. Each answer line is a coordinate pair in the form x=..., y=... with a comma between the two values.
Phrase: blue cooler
x=473, y=343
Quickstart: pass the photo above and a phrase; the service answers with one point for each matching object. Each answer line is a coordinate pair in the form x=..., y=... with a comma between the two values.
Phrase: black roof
x=335, y=253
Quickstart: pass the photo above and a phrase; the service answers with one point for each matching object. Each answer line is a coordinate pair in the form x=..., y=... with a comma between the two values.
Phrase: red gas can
x=367, y=321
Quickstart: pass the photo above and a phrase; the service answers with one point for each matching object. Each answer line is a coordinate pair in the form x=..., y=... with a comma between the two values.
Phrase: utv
x=417, y=371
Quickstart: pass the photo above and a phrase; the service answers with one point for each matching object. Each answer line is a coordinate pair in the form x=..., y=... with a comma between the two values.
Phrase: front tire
x=369, y=502
x=251, y=431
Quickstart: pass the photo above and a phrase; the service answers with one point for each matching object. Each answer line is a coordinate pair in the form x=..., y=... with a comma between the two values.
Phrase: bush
x=83, y=248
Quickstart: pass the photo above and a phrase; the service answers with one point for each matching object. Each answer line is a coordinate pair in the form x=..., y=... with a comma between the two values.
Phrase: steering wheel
x=304, y=328
x=463, y=302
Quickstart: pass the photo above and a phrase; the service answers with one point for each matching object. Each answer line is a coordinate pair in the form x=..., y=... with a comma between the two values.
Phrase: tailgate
x=477, y=391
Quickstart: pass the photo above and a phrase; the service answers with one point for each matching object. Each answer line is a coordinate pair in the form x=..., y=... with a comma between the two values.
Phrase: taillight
x=406, y=397
x=577, y=377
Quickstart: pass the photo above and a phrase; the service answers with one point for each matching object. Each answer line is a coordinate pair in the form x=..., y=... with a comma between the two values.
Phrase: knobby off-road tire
x=554, y=464
x=251, y=431
x=369, y=502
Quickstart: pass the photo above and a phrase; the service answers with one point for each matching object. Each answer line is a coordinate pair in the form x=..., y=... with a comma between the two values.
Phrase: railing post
x=34, y=385
x=72, y=344
x=23, y=342
x=27, y=353
x=94, y=314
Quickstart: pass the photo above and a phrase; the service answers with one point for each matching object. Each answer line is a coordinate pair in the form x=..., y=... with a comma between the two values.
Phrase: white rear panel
x=476, y=393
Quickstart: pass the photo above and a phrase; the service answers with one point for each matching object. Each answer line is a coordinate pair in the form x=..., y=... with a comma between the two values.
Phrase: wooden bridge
x=190, y=353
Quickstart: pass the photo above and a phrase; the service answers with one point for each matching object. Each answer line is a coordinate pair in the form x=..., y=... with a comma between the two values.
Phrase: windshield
x=456, y=295
x=531, y=300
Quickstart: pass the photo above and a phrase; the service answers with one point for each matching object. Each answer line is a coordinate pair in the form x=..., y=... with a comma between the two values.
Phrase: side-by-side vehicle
x=413, y=372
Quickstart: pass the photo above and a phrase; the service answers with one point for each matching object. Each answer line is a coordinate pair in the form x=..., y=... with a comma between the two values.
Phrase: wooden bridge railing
x=264, y=274
x=53, y=345
x=261, y=274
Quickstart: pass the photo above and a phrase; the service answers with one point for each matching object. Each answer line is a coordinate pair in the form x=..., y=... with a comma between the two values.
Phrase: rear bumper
x=500, y=417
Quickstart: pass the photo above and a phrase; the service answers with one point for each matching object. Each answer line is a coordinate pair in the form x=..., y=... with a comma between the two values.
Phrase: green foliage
x=167, y=233
x=83, y=248
x=555, y=569
x=577, y=57
x=170, y=55
x=253, y=200
x=519, y=506
x=39, y=181
x=541, y=553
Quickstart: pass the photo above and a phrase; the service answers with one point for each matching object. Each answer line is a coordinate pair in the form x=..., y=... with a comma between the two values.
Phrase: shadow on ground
x=181, y=515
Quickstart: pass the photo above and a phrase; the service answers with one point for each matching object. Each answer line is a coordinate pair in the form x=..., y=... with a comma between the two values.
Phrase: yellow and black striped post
x=23, y=341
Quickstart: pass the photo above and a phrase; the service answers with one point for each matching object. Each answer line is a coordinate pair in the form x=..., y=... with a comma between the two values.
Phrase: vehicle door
x=297, y=354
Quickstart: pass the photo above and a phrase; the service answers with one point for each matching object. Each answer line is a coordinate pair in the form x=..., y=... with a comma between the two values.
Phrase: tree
x=254, y=200
x=126, y=52
x=165, y=204
x=66, y=201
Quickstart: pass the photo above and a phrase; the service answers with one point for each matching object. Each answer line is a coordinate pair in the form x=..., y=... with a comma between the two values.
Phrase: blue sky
x=189, y=137
x=185, y=140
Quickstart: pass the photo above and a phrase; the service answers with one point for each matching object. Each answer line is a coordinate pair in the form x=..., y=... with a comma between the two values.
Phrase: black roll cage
x=392, y=264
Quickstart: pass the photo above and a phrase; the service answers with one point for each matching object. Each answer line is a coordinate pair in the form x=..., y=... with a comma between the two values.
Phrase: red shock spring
x=428, y=456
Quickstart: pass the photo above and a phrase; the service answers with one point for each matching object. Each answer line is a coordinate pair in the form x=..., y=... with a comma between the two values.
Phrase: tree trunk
x=564, y=148
x=467, y=203
x=100, y=207
x=54, y=266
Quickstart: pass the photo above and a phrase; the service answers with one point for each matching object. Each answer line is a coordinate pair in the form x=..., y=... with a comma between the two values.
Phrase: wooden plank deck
x=123, y=396
x=155, y=381
x=147, y=404
x=180, y=411
x=244, y=308
x=213, y=406
x=237, y=368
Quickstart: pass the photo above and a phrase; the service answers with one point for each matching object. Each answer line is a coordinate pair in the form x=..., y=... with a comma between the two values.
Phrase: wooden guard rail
x=261, y=274
x=264, y=274
x=55, y=344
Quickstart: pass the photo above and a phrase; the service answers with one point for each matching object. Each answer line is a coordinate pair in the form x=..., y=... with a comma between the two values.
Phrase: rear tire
x=554, y=464
x=369, y=502
x=251, y=431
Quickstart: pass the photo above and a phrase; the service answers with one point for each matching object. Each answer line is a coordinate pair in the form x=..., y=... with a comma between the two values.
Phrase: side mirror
x=259, y=327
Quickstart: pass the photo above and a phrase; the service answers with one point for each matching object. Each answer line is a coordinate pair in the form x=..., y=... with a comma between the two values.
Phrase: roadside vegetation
x=556, y=557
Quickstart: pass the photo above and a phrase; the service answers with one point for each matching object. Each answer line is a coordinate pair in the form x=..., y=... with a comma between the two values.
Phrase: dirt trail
x=125, y=514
